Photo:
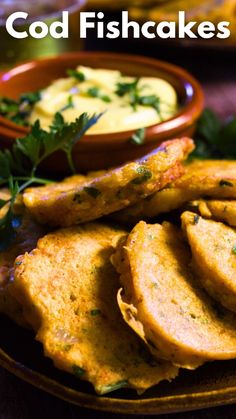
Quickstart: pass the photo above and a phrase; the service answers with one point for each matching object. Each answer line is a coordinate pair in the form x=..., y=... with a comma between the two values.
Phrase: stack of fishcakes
x=121, y=307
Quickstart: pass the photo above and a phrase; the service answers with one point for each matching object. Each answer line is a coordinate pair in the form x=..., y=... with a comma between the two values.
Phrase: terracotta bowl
x=104, y=150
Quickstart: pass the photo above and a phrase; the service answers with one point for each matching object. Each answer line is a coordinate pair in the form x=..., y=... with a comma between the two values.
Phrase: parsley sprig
x=76, y=74
x=138, y=137
x=214, y=138
x=19, y=110
x=130, y=88
x=136, y=97
x=96, y=92
x=19, y=166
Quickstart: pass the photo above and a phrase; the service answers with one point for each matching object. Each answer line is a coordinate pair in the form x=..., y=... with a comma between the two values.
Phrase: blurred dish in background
x=196, y=10
x=14, y=50
x=120, y=4
x=167, y=10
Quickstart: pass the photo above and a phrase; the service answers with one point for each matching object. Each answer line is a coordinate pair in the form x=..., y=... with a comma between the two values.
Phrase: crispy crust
x=68, y=289
x=112, y=191
x=202, y=178
x=26, y=239
x=219, y=210
x=212, y=244
x=164, y=303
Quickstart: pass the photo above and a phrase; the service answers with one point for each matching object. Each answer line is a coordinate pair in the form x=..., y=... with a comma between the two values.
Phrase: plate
x=213, y=384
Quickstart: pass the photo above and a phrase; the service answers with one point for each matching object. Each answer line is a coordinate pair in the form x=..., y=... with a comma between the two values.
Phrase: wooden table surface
x=216, y=69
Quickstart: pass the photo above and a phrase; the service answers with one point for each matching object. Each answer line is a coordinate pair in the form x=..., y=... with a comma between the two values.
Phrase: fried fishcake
x=112, y=191
x=27, y=235
x=213, y=246
x=4, y=194
x=202, y=178
x=68, y=289
x=219, y=210
x=165, y=304
x=55, y=189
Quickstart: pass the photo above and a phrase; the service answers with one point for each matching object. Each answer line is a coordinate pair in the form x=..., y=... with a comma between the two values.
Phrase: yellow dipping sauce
x=100, y=91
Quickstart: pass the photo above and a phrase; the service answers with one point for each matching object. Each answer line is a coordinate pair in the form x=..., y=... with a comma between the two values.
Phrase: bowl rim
x=184, y=118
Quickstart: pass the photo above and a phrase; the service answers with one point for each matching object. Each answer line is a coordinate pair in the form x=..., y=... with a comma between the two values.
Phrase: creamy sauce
x=72, y=97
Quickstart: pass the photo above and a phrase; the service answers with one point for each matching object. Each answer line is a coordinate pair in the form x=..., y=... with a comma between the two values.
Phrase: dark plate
x=211, y=385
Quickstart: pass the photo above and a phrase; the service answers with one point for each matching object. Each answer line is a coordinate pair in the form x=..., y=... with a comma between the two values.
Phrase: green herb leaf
x=105, y=98
x=31, y=145
x=70, y=104
x=22, y=161
x=31, y=98
x=13, y=187
x=214, y=138
x=67, y=347
x=136, y=98
x=70, y=134
x=58, y=122
x=152, y=101
x=227, y=139
x=144, y=175
x=209, y=126
x=196, y=219
x=94, y=192
x=78, y=371
x=5, y=169
x=3, y=203
x=96, y=92
x=18, y=263
x=28, y=152
x=234, y=249
x=138, y=137
x=93, y=91
x=8, y=106
x=226, y=183
x=112, y=387
x=78, y=75
x=123, y=88
x=95, y=312
x=39, y=144
x=19, y=110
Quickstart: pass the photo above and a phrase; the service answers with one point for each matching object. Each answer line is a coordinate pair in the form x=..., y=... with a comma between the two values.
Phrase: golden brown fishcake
x=55, y=189
x=219, y=210
x=202, y=178
x=164, y=303
x=213, y=246
x=25, y=240
x=68, y=288
x=112, y=191
x=4, y=194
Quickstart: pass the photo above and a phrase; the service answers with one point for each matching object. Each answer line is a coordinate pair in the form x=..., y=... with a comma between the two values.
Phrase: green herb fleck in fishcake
x=78, y=371
x=226, y=183
x=144, y=175
x=93, y=192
